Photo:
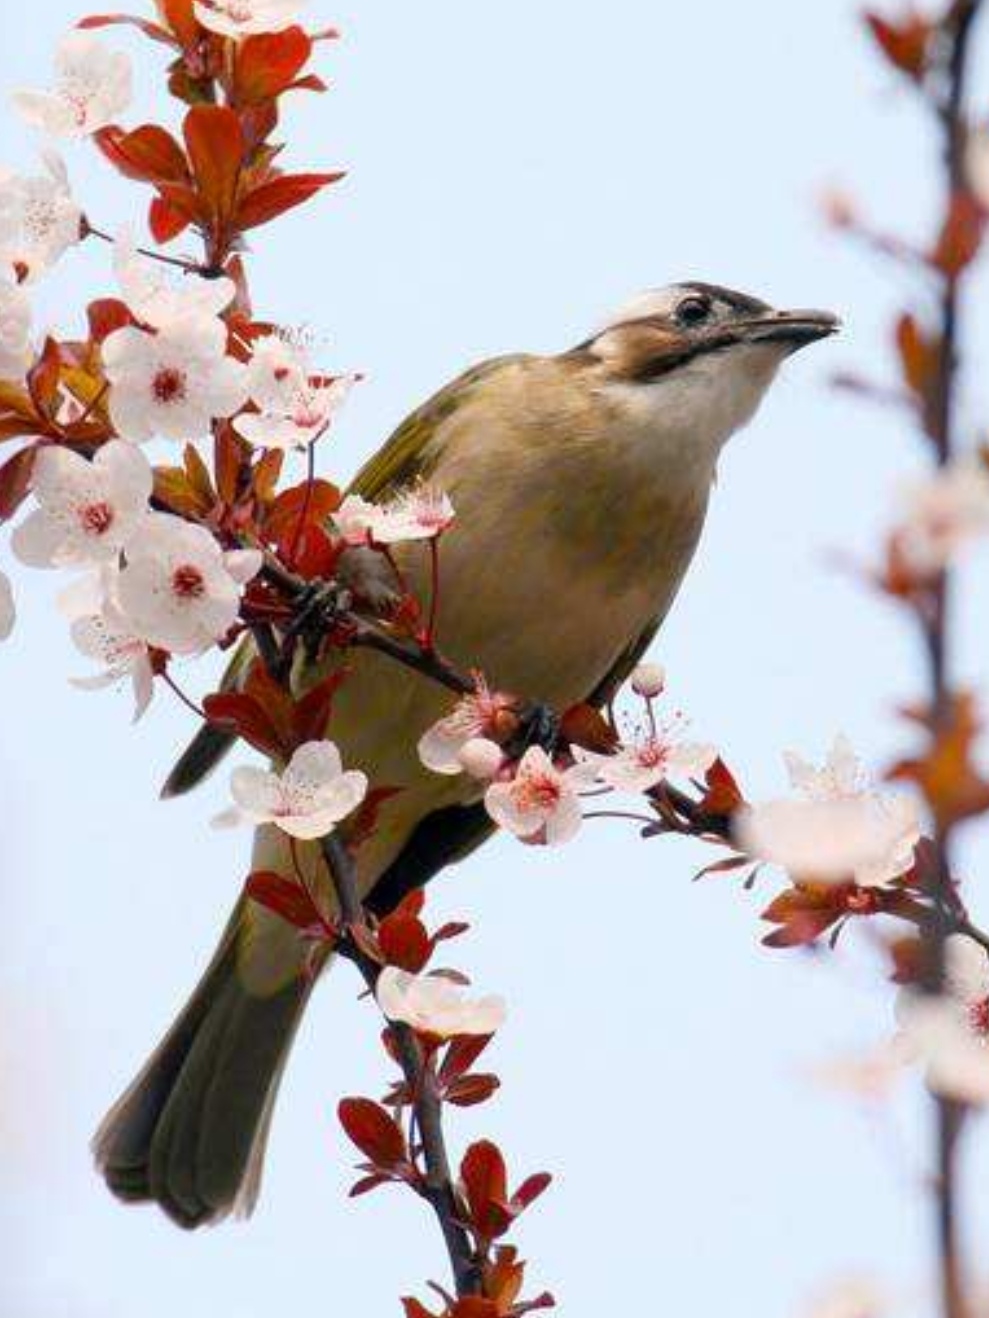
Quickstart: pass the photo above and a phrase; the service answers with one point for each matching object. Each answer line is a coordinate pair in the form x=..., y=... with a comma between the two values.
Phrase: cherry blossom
x=949, y=1034
x=172, y=383
x=39, y=218
x=100, y=631
x=652, y=757
x=474, y=717
x=294, y=406
x=840, y=827
x=178, y=590
x=93, y=87
x=15, y=331
x=417, y=514
x=648, y=680
x=242, y=18
x=312, y=794
x=540, y=803
x=435, y=1005
x=88, y=511
x=943, y=515
x=481, y=758
x=8, y=610
x=158, y=298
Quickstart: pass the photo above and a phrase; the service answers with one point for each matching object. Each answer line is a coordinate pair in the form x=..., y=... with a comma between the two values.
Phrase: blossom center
x=536, y=792
x=168, y=385
x=978, y=1017
x=96, y=518
x=188, y=582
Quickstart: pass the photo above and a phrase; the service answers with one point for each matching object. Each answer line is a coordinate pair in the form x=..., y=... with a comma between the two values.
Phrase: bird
x=581, y=482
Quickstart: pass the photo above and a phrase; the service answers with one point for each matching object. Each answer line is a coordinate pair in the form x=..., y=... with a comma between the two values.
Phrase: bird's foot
x=539, y=725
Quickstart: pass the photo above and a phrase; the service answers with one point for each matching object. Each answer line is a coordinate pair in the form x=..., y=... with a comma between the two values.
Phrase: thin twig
x=420, y=1079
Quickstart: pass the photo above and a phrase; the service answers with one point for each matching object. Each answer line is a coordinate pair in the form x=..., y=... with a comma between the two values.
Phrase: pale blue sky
x=516, y=170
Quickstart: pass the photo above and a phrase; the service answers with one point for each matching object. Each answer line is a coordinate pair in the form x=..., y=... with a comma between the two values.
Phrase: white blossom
x=417, y=514
x=840, y=827
x=294, y=405
x=943, y=515
x=242, y=18
x=480, y=758
x=853, y=1297
x=435, y=1005
x=39, y=218
x=92, y=88
x=473, y=717
x=8, y=610
x=949, y=1034
x=312, y=794
x=651, y=758
x=87, y=511
x=540, y=802
x=178, y=590
x=100, y=631
x=159, y=298
x=15, y=331
x=174, y=382
x=648, y=680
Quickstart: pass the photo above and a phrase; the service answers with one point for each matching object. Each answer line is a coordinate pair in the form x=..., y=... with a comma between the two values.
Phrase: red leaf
x=318, y=501
x=215, y=145
x=171, y=486
x=365, y=821
x=374, y=1131
x=152, y=30
x=485, y=1182
x=722, y=796
x=43, y=377
x=165, y=220
x=15, y=480
x=232, y=460
x=530, y=1189
x=240, y=713
x=285, y=897
x=312, y=711
x=586, y=726
x=181, y=19
x=472, y=1089
x=148, y=153
x=266, y=64
x=461, y=1055
x=281, y=194
x=961, y=237
x=105, y=315
x=404, y=942
x=905, y=45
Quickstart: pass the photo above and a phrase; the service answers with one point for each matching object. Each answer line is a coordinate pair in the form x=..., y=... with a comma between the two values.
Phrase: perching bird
x=581, y=483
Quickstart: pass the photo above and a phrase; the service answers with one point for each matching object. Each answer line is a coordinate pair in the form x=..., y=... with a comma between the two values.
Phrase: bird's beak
x=793, y=329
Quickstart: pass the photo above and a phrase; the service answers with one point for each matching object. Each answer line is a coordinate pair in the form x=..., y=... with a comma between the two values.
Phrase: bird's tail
x=189, y=1133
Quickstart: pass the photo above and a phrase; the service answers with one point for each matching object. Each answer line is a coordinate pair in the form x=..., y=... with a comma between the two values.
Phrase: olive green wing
x=412, y=452
x=450, y=835
x=409, y=455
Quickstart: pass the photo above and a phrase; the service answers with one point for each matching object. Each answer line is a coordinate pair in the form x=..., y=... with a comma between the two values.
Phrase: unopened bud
x=648, y=680
x=480, y=757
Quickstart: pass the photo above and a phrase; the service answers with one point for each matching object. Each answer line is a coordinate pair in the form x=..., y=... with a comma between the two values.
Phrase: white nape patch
x=688, y=414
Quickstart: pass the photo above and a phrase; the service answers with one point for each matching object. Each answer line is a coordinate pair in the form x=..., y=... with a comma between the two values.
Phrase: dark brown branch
x=420, y=1078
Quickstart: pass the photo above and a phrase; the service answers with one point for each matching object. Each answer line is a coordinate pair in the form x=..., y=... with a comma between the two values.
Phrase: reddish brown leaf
x=530, y=1190
x=405, y=942
x=583, y=725
x=723, y=796
x=317, y=502
x=43, y=377
x=231, y=460
x=240, y=713
x=215, y=145
x=105, y=315
x=948, y=773
x=471, y=1089
x=312, y=711
x=461, y=1055
x=961, y=236
x=413, y=1309
x=363, y=824
x=148, y=154
x=15, y=480
x=374, y=1131
x=165, y=220
x=485, y=1182
x=264, y=203
x=179, y=16
x=266, y=64
x=906, y=44
x=171, y=487
x=151, y=30
x=285, y=897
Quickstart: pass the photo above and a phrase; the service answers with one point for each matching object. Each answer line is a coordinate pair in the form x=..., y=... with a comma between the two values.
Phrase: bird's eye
x=694, y=310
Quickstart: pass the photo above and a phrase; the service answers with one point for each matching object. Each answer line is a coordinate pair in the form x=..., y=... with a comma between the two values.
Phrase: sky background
x=516, y=170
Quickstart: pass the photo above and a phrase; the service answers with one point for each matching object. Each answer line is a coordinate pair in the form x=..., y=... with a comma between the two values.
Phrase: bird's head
x=695, y=359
